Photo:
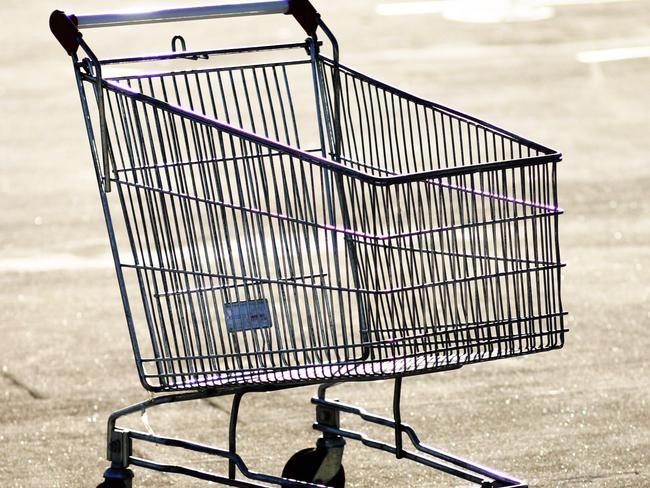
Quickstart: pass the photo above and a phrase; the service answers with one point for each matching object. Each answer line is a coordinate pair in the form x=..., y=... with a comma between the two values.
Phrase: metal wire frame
x=328, y=422
x=423, y=239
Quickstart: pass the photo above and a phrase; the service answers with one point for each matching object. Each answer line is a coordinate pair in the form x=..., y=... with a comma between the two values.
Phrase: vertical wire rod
x=232, y=433
x=397, y=415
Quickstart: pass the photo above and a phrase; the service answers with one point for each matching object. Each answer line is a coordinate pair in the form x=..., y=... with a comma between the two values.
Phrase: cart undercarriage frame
x=328, y=413
x=413, y=239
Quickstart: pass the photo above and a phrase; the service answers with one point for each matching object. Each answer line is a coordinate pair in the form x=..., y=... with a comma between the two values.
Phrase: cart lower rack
x=294, y=222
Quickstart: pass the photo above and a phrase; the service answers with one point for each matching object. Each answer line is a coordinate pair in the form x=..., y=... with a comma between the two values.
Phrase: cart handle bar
x=66, y=27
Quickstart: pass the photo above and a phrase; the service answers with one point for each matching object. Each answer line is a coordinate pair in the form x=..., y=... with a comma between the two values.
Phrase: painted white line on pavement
x=496, y=12
x=576, y=2
x=618, y=54
x=440, y=6
x=412, y=8
x=54, y=262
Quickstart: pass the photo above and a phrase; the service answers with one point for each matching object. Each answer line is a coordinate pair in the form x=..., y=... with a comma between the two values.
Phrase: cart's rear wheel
x=114, y=484
x=304, y=464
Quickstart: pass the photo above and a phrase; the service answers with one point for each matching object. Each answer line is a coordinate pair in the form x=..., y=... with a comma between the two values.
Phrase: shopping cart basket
x=293, y=221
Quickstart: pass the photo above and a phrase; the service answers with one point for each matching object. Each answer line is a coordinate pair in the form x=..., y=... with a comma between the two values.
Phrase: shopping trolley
x=292, y=221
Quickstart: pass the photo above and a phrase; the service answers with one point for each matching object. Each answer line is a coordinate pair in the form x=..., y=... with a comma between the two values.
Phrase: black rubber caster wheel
x=117, y=478
x=113, y=484
x=304, y=464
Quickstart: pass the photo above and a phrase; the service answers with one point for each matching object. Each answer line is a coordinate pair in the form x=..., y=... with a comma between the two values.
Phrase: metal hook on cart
x=180, y=39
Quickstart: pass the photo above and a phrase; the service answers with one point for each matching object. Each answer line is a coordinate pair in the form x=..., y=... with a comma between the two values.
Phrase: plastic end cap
x=64, y=28
x=305, y=14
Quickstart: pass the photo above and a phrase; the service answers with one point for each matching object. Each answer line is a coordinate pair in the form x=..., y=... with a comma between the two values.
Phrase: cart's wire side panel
x=214, y=220
x=385, y=131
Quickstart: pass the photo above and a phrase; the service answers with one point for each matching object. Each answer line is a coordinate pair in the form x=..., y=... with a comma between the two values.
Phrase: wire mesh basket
x=413, y=238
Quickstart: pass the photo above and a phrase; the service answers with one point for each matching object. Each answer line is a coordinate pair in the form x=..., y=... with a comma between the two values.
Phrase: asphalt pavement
x=571, y=418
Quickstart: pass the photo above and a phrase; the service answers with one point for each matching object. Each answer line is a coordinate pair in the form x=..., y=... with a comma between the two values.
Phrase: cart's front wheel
x=304, y=465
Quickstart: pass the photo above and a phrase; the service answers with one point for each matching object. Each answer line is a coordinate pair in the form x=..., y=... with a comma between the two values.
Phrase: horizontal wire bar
x=472, y=191
x=452, y=254
x=378, y=367
x=383, y=291
x=160, y=74
x=380, y=344
x=333, y=228
x=443, y=328
x=180, y=164
x=207, y=52
x=222, y=287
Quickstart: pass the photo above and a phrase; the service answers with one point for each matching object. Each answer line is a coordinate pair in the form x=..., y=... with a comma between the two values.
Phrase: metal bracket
x=332, y=444
x=331, y=463
x=328, y=416
x=119, y=448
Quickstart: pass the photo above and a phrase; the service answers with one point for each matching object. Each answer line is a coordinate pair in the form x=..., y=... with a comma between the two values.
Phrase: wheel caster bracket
x=331, y=463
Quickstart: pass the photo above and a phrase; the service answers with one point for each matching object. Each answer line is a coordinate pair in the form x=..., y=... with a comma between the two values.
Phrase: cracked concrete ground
x=577, y=417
